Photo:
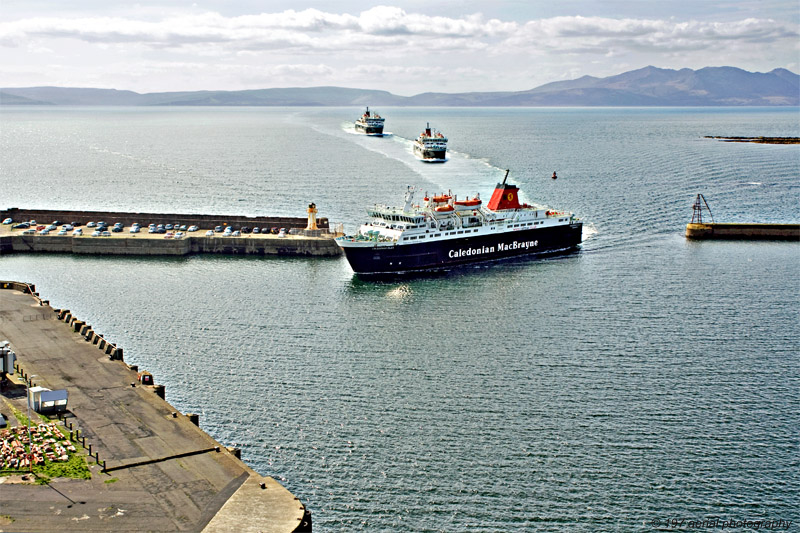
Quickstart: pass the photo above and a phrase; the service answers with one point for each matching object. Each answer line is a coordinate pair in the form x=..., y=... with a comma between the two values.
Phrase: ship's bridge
x=394, y=215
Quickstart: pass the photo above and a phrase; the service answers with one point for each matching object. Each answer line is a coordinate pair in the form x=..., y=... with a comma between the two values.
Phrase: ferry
x=431, y=146
x=443, y=231
x=370, y=123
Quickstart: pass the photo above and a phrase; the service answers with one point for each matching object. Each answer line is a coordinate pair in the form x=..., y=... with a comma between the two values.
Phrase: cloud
x=399, y=48
x=385, y=27
x=600, y=35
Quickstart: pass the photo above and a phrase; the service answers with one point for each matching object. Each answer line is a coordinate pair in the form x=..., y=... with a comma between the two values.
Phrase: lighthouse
x=312, y=217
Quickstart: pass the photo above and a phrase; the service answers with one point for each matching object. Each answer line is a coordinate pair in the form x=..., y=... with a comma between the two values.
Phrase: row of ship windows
x=528, y=224
x=460, y=232
x=474, y=230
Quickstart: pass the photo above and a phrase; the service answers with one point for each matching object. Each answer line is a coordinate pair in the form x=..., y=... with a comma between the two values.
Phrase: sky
x=405, y=48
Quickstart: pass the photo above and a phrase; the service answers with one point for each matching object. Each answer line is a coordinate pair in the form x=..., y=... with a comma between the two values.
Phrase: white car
x=7, y=221
x=193, y=228
x=62, y=231
x=134, y=229
x=96, y=233
x=210, y=233
x=77, y=231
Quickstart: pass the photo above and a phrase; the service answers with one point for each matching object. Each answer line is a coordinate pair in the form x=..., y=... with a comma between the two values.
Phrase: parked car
x=7, y=221
x=274, y=231
x=193, y=228
x=62, y=231
x=218, y=229
x=21, y=225
x=91, y=224
x=182, y=228
x=282, y=232
x=245, y=229
x=77, y=231
x=105, y=233
x=68, y=227
x=117, y=229
x=210, y=233
x=134, y=229
x=44, y=231
x=256, y=230
x=29, y=231
x=236, y=233
x=180, y=235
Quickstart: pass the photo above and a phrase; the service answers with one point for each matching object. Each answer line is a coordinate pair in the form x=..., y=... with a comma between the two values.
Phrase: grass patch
x=112, y=480
x=75, y=468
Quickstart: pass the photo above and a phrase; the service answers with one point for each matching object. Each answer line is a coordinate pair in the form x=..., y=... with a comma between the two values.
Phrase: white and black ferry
x=443, y=231
x=370, y=123
x=431, y=146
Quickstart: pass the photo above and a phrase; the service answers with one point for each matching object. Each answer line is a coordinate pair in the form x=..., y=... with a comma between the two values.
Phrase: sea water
x=642, y=378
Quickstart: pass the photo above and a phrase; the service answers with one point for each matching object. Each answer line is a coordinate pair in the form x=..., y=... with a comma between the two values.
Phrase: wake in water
x=589, y=231
x=459, y=172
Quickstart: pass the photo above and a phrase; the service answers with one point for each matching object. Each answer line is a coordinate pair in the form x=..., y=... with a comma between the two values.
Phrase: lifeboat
x=441, y=198
x=468, y=204
x=445, y=208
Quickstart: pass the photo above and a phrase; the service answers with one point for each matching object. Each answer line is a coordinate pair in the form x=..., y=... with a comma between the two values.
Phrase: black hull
x=430, y=155
x=437, y=255
x=369, y=130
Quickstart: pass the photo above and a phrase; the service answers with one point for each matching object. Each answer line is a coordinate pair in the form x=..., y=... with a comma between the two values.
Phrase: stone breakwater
x=716, y=230
x=295, y=241
x=143, y=244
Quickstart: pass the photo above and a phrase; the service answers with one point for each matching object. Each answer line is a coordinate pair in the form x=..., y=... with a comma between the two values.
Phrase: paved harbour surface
x=163, y=472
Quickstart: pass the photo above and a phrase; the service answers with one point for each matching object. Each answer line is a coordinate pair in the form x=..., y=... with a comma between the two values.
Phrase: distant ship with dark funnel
x=431, y=146
x=370, y=123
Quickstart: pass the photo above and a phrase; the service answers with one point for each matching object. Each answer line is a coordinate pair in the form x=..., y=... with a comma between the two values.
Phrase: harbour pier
x=152, y=468
x=297, y=239
x=700, y=229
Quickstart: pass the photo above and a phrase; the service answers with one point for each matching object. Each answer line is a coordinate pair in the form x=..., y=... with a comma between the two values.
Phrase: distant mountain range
x=649, y=86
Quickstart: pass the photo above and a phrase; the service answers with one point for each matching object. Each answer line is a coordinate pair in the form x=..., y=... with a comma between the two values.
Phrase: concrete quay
x=152, y=468
x=744, y=231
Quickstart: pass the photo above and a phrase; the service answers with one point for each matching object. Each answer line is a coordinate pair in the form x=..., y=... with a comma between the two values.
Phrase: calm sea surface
x=643, y=377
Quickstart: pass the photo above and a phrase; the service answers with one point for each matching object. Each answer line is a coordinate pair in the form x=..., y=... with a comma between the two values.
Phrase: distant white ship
x=370, y=123
x=431, y=146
